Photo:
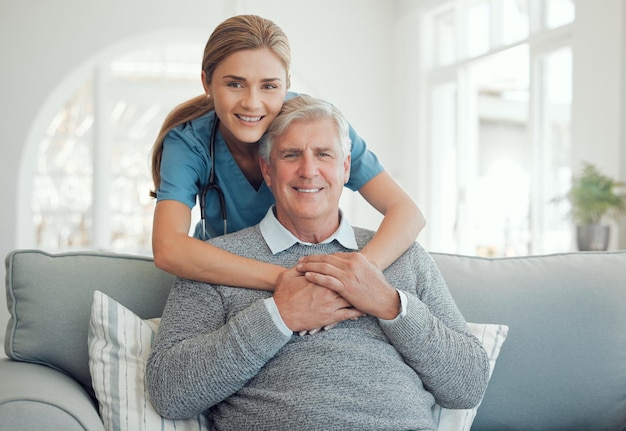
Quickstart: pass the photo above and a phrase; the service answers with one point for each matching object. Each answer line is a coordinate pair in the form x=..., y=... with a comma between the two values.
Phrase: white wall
x=599, y=103
x=49, y=46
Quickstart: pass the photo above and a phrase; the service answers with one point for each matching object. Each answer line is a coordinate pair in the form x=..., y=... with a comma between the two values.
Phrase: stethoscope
x=212, y=185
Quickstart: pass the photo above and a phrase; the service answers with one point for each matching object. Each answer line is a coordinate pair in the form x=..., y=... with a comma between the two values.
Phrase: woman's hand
x=304, y=305
x=356, y=279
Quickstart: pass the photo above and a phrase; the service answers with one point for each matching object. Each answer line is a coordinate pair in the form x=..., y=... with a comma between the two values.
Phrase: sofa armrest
x=36, y=397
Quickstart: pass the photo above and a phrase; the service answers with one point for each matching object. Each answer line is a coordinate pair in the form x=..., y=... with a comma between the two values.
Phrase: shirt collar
x=278, y=238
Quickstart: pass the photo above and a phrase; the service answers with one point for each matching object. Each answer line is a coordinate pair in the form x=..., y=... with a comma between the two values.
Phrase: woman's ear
x=205, y=84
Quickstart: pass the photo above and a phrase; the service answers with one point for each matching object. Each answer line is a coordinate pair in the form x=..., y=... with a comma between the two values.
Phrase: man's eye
x=235, y=84
x=270, y=86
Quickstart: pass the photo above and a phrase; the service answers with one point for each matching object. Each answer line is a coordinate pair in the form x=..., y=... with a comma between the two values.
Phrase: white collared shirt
x=278, y=239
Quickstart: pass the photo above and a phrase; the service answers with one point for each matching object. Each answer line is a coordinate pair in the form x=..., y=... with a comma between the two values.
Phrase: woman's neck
x=246, y=155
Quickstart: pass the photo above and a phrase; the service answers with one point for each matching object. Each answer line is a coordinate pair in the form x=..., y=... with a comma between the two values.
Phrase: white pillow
x=119, y=345
x=492, y=337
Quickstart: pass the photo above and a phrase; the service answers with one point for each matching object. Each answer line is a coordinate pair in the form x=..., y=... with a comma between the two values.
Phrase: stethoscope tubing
x=212, y=185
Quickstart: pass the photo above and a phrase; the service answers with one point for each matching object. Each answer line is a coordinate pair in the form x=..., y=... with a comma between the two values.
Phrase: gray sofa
x=562, y=367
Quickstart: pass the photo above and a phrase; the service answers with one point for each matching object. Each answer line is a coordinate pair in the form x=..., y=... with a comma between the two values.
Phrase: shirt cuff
x=403, y=307
x=275, y=315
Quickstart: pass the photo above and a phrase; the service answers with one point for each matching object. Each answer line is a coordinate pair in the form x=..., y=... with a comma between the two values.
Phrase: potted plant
x=593, y=196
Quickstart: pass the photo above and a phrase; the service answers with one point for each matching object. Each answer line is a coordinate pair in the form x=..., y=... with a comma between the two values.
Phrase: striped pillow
x=492, y=337
x=119, y=346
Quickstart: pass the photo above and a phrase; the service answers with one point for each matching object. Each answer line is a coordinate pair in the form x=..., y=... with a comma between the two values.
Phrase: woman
x=245, y=74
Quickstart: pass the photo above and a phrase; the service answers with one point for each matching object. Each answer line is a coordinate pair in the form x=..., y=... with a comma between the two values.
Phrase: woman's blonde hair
x=235, y=34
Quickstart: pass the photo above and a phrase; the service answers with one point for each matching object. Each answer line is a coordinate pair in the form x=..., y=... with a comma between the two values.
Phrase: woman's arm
x=179, y=254
x=401, y=224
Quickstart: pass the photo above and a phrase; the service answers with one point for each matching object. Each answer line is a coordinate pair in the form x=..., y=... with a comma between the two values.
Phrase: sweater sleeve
x=200, y=357
x=434, y=340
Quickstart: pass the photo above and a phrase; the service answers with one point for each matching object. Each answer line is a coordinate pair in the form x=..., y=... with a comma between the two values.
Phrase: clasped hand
x=322, y=290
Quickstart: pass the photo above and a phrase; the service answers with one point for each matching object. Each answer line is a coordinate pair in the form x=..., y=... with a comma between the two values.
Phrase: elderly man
x=397, y=345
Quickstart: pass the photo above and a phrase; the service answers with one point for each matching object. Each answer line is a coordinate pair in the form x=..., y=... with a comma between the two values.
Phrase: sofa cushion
x=49, y=299
x=564, y=363
x=30, y=400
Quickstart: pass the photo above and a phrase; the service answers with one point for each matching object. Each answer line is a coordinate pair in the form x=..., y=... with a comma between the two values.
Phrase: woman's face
x=248, y=89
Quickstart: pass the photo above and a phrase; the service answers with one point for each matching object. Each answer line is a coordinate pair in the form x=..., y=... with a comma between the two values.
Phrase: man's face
x=307, y=172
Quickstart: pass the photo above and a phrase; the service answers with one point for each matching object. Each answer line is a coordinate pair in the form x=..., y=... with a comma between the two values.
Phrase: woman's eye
x=235, y=84
x=270, y=86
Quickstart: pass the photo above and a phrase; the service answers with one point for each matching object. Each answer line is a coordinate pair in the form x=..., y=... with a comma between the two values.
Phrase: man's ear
x=346, y=166
x=265, y=170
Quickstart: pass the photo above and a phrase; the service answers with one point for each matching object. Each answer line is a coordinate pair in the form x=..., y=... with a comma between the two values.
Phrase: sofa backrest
x=563, y=365
x=49, y=299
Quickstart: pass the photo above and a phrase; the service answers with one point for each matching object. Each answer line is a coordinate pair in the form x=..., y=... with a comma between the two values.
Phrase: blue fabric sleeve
x=364, y=165
x=184, y=163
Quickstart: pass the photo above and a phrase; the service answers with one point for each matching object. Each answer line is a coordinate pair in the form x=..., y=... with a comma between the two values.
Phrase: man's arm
x=199, y=358
x=197, y=340
x=450, y=361
x=433, y=337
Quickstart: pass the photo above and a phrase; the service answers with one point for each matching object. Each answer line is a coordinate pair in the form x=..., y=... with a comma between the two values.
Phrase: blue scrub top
x=185, y=166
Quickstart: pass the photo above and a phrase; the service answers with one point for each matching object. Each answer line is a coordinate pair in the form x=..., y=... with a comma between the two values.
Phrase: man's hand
x=304, y=305
x=355, y=279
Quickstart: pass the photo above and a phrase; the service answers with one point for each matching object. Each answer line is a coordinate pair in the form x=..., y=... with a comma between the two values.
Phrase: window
x=62, y=192
x=92, y=177
x=499, y=107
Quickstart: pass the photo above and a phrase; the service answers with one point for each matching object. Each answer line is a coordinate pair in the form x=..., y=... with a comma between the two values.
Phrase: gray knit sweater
x=218, y=351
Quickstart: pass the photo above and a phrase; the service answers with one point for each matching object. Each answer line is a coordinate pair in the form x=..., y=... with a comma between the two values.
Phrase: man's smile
x=307, y=190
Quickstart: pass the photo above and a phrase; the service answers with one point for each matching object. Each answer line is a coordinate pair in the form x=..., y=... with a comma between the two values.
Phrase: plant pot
x=593, y=237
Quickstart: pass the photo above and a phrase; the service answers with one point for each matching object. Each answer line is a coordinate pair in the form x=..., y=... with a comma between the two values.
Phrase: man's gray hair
x=305, y=108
